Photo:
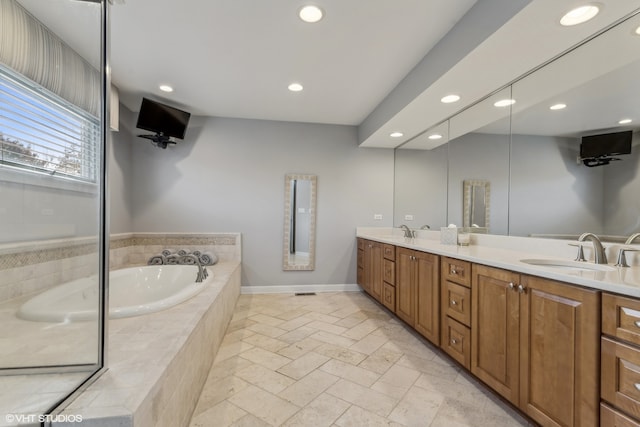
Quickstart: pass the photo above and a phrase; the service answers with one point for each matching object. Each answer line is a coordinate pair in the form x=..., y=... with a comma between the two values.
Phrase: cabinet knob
x=453, y=270
x=637, y=323
x=637, y=386
x=512, y=286
x=454, y=302
x=454, y=341
x=522, y=289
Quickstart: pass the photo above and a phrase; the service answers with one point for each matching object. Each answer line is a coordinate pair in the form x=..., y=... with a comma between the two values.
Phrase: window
x=41, y=132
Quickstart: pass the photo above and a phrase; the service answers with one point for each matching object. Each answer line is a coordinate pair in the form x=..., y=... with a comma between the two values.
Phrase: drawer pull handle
x=637, y=323
x=454, y=341
x=454, y=302
x=637, y=386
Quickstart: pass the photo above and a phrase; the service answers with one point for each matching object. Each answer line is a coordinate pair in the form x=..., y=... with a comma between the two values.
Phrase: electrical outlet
x=377, y=217
x=408, y=217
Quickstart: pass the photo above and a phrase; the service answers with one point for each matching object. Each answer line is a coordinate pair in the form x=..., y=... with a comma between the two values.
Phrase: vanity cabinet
x=376, y=271
x=455, y=324
x=620, y=360
x=370, y=259
x=417, y=291
x=536, y=342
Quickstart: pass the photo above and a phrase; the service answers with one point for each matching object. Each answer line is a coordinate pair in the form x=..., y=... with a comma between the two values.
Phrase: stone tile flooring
x=336, y=359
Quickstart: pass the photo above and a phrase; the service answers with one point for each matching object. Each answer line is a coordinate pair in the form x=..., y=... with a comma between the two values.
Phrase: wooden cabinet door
x=495, y=328
x=361, y=276
x=559, y=353
x=405, y=293
x=427, y=289
x=377, y=267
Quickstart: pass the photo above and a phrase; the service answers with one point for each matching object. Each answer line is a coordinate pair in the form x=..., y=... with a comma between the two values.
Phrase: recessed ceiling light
x=504, y=102
x=295, y=87
x=435, y=136
x=396, y=134
x=558, y=106
x=449, y=99
x=579, y=15
x=624, y=121
x=310, y=14
x=166, y=88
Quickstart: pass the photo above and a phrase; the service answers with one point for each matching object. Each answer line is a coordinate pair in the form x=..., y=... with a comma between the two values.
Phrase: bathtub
x=132, y=292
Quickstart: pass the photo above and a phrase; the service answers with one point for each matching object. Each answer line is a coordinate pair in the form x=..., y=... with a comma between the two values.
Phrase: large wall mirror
x=299, y=222
x=524, y=140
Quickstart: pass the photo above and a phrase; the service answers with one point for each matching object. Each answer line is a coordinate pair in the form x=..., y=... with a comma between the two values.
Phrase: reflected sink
x=569, y=265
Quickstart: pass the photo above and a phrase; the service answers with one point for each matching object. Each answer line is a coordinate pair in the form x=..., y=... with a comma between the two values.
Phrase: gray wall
x=120, y=150
x=228, y=175
x=551, y=192
x=621, y=193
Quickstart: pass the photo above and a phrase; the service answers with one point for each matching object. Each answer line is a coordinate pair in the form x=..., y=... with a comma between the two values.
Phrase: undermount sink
x=567, y=264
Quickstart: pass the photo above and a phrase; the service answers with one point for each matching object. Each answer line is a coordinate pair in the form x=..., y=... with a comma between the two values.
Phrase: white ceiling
x=235, y=58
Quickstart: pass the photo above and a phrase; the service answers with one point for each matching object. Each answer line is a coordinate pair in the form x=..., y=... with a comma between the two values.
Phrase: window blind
x=41, y=131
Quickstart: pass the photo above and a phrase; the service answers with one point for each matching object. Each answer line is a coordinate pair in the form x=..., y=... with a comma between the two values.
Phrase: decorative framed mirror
x=299, y=222
x=476, y=197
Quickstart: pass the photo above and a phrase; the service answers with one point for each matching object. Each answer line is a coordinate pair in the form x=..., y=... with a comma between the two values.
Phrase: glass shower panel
x=51, y=192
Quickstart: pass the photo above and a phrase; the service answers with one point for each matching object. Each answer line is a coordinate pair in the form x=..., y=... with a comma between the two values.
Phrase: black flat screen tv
x=606, y=145
x=162, y=119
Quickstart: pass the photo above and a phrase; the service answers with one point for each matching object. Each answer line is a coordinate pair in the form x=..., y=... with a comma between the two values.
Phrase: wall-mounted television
x=597, y=150
x=162, y=120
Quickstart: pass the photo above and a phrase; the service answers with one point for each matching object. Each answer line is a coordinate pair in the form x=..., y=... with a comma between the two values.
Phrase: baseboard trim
x=292, y=289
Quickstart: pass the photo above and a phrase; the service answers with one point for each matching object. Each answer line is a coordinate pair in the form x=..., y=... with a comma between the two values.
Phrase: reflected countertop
x=506, y=252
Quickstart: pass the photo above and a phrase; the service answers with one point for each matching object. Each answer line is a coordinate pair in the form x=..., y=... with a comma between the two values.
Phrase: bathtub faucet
x=202, y=270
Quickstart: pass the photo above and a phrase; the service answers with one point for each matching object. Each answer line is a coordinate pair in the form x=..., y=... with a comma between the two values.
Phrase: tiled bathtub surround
x=158, y=362
x=28, y=268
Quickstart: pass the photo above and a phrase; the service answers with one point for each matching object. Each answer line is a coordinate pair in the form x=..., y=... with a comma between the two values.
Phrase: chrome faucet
x=202, y=271
x=622, y=260
x=425, y=227
x=632, y=238
x=598, y=250
x=407, y=232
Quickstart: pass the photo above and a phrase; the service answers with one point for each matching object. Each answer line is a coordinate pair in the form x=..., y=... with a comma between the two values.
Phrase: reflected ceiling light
x=558, y=107
x=579, y=15
x=637, y=31
x=295, y=87
x=435, y=136
x=449, y=99
x=396, y=134
x=625, y=121
x=166, y=88
x=310, y=14
x=504, y=103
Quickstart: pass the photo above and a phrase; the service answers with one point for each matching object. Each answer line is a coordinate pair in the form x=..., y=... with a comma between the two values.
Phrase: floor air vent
x=304, y=294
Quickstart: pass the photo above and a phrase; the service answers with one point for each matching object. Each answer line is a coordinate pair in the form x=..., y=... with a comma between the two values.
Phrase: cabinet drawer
x=456, y=301
x=613, y=418
x=389, y=296
x=456, y=271
x=389, y=252
x=456, y=341
x=621, y=317
x=620, y=376
x=389, y=273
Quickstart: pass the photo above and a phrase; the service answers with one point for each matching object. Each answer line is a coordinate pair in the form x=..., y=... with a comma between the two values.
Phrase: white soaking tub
x=132, y=292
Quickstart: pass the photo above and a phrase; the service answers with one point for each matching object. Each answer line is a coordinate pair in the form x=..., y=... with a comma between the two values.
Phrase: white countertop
x=506, y=252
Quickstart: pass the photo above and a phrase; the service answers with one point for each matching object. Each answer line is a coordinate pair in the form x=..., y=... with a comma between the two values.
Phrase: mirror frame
x=286, y=265
x=469, y=185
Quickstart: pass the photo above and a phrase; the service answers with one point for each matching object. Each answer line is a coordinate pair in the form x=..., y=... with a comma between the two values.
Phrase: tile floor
x=336, y=359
